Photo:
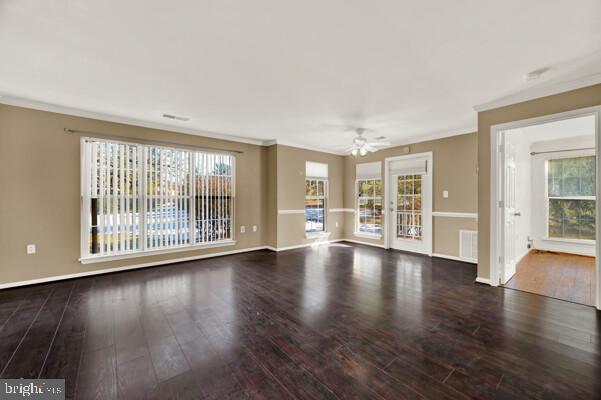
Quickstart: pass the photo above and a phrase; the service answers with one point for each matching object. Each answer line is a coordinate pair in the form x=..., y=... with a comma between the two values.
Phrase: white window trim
x=367, y=235
x=86, y=258
x=586, y=242
x=326, y=188
x=317, y=235
x=92, y=259
x=585, y=153
x=357, y=232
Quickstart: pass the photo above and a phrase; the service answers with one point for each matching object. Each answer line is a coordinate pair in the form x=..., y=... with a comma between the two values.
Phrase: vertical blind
x=141, y=198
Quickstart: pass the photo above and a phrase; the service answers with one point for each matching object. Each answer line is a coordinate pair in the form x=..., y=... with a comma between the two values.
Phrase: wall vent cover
x=468, y=245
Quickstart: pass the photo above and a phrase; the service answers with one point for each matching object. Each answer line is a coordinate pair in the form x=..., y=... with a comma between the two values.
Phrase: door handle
x=517, y=214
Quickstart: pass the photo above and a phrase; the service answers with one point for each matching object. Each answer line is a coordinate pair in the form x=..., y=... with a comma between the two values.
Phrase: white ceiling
x=294, y=71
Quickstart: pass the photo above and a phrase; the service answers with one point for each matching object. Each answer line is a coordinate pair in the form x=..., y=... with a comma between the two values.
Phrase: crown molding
x=434, y=136
x=405, y=142
x=76, y=112
x=302, y=146
x=542, y=90
x=42, y=106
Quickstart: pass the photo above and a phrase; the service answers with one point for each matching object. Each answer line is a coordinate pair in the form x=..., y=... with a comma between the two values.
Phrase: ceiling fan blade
x=350, y=149
x=370, y=148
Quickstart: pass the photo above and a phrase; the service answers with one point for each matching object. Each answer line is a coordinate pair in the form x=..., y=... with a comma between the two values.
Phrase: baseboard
x=518, y=259
x=126, y=268
x=576, y=252
x=454, y=258
x=365, y=243
x=199, y=257
x=299, y=246
x=484, y=281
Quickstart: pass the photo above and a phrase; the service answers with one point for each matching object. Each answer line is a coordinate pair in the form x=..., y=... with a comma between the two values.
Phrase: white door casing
x=509, y=211
x=496, y=216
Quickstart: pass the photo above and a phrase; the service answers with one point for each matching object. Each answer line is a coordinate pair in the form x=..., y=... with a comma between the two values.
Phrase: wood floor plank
x=30, y=356
x=18, y=326
x=98, y=375
x=168, y=358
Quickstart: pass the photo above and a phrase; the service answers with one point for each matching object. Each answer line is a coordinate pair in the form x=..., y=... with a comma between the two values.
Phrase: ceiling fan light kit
x=361, y=146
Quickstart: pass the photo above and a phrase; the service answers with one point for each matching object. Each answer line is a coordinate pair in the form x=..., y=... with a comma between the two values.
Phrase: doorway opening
x=544, y=236
x=408, y=199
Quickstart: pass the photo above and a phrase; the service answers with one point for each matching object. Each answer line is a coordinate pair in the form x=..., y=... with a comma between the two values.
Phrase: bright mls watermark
x=53, y=389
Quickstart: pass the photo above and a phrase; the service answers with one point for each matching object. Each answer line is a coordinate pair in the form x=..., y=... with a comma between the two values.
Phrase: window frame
x=143, y=249
x=357, y=230
x=548, y=198
x=413, y=195
x=325, y=205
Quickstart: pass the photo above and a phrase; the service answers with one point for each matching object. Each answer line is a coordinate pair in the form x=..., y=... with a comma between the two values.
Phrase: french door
x=410, y=205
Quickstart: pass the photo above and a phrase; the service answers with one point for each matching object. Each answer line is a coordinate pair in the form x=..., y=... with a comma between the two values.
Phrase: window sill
x=368, y=235
x=125, y=256
x=585, y=242
x=317, y=235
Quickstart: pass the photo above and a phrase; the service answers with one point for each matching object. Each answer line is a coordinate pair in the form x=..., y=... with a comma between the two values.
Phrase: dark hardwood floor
x=333, y=322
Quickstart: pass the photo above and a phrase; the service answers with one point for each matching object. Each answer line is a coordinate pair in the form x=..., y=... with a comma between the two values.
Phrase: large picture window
x=315, y=205
x=571, y=198
x=369, y=206
x=138, y=198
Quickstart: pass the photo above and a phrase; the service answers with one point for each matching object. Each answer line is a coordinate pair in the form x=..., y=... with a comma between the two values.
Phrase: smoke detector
x=176, y=117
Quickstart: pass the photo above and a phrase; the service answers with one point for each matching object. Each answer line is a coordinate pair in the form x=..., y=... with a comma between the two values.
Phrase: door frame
x=429, y=156
x=496, y=221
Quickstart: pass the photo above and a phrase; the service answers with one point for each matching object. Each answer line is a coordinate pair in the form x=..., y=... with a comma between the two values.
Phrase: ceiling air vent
x=176, y=117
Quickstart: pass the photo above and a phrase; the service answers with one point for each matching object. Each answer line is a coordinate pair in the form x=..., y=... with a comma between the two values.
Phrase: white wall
x=539, y=187
x=521, y=150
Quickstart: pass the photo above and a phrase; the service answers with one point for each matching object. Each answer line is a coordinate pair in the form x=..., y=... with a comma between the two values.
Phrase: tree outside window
x=571, y=198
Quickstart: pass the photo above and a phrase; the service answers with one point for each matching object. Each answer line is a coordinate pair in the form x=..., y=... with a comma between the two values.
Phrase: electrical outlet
x=31, y=249
x=445, y=194
x=254, y=228
x=242, y=229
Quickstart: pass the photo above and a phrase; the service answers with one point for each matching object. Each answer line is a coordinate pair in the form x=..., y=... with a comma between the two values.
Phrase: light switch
x=445, y=194
x=31, y=249
x=254, y=228
x=242, y=229
x=336, y=224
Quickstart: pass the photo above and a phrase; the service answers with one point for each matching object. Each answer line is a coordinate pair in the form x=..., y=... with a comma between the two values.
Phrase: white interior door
x=509, y=211
x=410, y=205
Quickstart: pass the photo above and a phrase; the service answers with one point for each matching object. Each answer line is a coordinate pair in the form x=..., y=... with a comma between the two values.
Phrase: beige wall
x=291, y=193
x=39, y=171
x=40, y=203
x=572, y=100
x=455, y=163
x=40, y=200
x=271, y=197
x=446, y=233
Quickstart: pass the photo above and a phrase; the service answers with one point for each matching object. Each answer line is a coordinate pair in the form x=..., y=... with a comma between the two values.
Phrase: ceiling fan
x=361, y=146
